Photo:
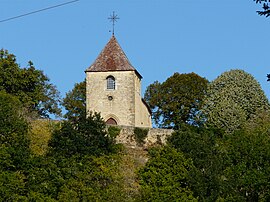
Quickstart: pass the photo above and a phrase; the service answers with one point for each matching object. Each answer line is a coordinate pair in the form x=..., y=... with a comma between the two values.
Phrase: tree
x=232, y=99
x=248, y=166
x=87, y=136
x=75, y=178
x=266, y=8
x=177, y=100
x=13, y=133
x=234, y=167
x=14, y=148
x=79, y=165
x=30, y=85
x=165, y=177
x=75, y=102
x=202, y=146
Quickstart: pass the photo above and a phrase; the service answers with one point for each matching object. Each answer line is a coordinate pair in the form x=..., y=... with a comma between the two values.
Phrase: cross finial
x=113, y=18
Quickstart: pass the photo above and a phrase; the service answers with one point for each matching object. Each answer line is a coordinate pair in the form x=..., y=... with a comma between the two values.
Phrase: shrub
x=140, y=135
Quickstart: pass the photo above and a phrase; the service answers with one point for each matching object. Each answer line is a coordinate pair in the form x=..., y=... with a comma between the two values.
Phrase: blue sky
x=159, y=37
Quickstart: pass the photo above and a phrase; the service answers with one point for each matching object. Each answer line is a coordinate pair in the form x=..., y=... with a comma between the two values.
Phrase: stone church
x=113, y=88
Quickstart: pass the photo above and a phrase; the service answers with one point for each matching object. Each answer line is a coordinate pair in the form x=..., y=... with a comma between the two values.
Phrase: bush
x=140, y=135
x=113, y=131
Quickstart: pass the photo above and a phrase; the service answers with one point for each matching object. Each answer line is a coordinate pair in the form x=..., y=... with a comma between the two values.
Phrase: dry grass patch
x=40, y=134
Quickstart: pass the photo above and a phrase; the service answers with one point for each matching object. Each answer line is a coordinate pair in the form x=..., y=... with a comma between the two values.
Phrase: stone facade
x=113, y=88
x=155, y=136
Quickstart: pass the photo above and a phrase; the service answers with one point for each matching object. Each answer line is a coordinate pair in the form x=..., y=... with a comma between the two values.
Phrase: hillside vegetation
x=220, y=150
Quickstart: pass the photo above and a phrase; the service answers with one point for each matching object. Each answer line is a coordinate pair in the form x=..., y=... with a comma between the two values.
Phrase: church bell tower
x=113, y=88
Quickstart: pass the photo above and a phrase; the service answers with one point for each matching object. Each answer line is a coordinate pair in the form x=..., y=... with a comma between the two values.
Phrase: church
x=113, y=88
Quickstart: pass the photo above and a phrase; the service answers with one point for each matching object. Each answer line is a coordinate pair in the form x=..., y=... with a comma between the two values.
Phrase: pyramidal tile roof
x=112, y=58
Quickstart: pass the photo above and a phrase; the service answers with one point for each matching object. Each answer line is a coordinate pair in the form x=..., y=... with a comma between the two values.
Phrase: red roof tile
x=112, y=58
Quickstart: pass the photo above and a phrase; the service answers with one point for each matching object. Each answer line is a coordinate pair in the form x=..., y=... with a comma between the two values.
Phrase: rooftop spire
x=113, y=18
x=112, y=58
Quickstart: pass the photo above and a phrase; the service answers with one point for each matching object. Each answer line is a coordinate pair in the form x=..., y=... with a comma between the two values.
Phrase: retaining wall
x=154, y=137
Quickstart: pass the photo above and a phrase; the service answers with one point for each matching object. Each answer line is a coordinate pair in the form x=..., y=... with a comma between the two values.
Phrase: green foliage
x=44, y=177
x=113, y=131
x=30, y=85
x=247, y=170
x=13, y=132
x=11, y=115
x=75, y=167
x=233, y=99
x=95, y=180
x=231, y=167
x=165, y=177
x=203, y=147
x=12, y=186
x=87, y=136
x=75, y=102
x=14, y=149
x=140, y=134
x=177, y=100
x=199, y=164
x=40, y=133
x=78, y=178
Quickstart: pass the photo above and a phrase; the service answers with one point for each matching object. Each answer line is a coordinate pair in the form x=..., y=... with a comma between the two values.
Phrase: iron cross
x=113, y=18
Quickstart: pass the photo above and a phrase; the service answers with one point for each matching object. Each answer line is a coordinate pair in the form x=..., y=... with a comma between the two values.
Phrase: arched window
x=111, y=121
x=110, y=83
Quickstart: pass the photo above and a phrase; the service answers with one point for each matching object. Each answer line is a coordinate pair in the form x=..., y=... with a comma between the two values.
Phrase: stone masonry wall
x=154, y=137
x=126, y=106
x=121, y=107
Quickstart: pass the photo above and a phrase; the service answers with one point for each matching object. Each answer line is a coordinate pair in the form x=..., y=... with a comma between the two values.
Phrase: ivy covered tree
x=232, y=99
x=177, y=100
x=29, y=85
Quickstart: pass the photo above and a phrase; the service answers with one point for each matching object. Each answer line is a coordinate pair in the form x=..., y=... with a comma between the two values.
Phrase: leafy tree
x=12, y=186
x=44, y=177
x=232, y=99
x=87, y=136
x=203, y=147
x=177, y=100
x=80, y=164
x=13, y=132
x=248, y=165
x=232, y=167
x=30, y=85
x=75, y=102
x=14, y=149
x=266, y=9
x=75, y=178
x=165, y=177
